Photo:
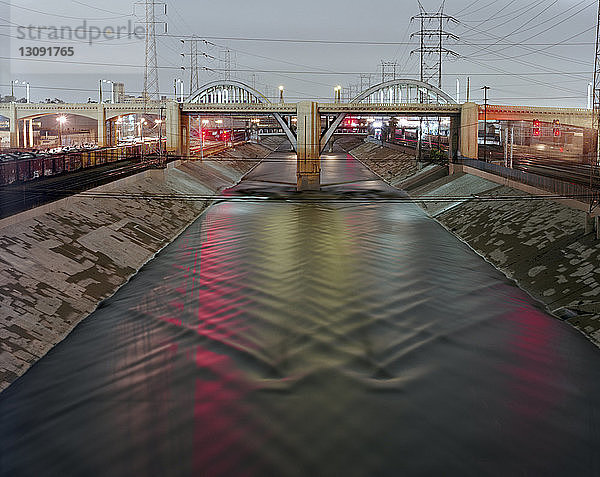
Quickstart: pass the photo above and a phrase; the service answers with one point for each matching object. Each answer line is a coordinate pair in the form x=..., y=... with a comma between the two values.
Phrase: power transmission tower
x=352, y=91
x=227, y=63
x=431, y=48
x=365, y=82
x=151, y=88
x=388, y=70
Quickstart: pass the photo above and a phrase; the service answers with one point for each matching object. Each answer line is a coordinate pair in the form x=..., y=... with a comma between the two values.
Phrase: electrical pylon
x=151, y=86
x=388, y=70
x=194, y=82
x=432, y=35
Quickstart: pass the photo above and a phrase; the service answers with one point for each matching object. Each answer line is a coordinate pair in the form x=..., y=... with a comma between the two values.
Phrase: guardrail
x=568, y=190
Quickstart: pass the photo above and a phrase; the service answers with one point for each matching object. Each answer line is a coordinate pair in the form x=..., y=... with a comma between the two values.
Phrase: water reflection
x=297, y=338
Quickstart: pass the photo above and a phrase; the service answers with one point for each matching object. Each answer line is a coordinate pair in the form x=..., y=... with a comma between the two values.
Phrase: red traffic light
x=537, y=128
x=556, y=127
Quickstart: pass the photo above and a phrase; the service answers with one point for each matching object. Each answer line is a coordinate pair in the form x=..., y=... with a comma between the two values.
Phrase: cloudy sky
x=528, y=52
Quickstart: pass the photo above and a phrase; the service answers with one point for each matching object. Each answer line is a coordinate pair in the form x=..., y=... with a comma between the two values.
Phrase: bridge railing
x=557, y=187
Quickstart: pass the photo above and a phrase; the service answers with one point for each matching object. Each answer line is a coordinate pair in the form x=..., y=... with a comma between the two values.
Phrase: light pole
x=338, y=94
x=12, y=89
x=120, y=130
x=205, y=122
x=160, y=123
x=61, y=121
x=141, y=125
x=281, y=94
x=112, y=91
x=485, y=92
x=179, y=96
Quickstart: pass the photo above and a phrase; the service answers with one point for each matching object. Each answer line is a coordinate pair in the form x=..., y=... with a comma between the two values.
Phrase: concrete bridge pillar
x=592, y=224
x=308, y=135
x=102, y=136
x=176, y=130
x=14, y=126
x=453, y=139
x=469, y=122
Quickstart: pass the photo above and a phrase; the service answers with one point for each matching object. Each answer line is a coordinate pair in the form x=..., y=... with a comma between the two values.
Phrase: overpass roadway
x=308, y=139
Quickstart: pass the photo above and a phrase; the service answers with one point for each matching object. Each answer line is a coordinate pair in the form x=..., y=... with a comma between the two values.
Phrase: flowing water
x=342, y=333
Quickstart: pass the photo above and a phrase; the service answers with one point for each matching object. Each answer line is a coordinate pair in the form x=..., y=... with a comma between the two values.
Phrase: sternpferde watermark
x=84, y=33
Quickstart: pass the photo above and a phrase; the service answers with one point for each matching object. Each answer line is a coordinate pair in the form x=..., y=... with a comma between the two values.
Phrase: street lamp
x=120, y=124
x=485, y=92
x=179, y=97
x=281, y=94
x=159, y=123
x=12, y=89
x=141, y=128
x=112, y=91
x=338, y=94
x=61, y=121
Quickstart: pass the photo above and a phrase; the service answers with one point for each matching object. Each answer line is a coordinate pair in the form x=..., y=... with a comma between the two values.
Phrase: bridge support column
x=453, y=140
x=308, y=135
x=102, y=136
x=177, y=131
x=592, y=224
x=469, y=123
x=14, y=127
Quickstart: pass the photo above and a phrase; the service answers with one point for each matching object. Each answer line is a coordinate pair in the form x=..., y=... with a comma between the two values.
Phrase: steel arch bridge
x=399, y=91
x=238, y=95
x=227, y=92
x=403, y=91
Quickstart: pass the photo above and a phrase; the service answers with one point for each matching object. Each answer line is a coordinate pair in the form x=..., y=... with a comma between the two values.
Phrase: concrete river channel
x=339, y=333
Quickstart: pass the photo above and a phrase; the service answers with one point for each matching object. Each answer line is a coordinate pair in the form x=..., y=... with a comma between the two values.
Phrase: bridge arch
x=227, y=92
x=403, y=91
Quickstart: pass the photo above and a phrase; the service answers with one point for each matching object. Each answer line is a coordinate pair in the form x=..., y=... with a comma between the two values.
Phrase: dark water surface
x=311, y=338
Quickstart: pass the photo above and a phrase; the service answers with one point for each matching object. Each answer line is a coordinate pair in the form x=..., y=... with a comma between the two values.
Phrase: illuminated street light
x=12, y=89
x=112, y=91
x=179, y=85
x=120, y=122
x=281, y=94
x=61, y=120
x=338, y=94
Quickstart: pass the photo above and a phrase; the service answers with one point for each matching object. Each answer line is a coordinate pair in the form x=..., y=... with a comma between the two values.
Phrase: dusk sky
x=538, y=52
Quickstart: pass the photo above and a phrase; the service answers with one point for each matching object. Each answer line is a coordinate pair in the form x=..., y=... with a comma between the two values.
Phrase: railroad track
x=19, y=197
x=565, y=170
x=22, y=196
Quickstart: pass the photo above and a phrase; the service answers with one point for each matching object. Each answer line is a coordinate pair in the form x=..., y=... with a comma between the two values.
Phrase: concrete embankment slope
x=59, y=262
x=541, y=244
